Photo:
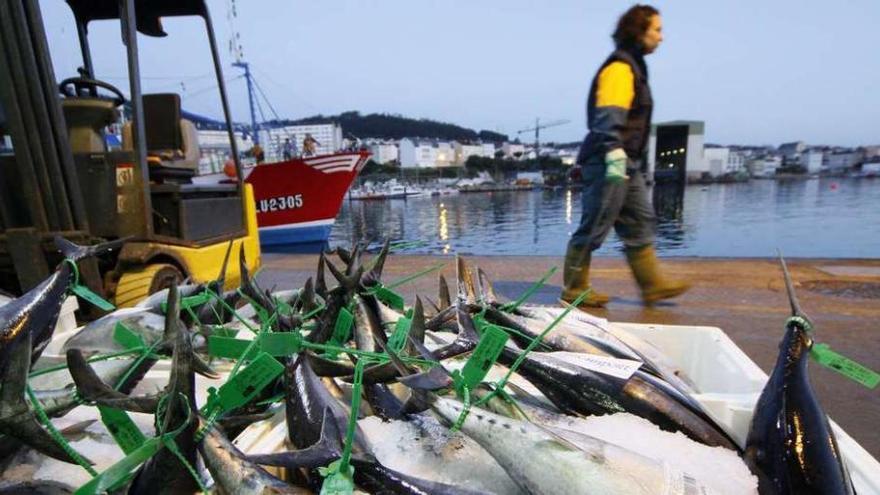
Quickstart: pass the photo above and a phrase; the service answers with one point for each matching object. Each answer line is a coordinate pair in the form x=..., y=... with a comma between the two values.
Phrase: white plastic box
x=730, y=384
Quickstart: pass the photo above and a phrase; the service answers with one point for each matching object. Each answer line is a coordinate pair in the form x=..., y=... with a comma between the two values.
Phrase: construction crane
x=537, y=129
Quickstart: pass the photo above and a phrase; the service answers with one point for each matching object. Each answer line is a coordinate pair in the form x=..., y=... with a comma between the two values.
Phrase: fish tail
x=77, y=252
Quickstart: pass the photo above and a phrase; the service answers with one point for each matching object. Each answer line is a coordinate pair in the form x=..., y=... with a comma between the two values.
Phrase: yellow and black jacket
x=618, y=110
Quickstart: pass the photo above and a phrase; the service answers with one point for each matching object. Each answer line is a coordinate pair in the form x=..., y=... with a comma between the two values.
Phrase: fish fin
x=221, y=278
x=201, y=367
x=243, y=420
x=327, y=367
x=343, y=254
x=76, y=252
x=417, y=328
x=375, y=274
x=327, y=449
x=433, y=304
x=434, y=379
x=320, y=278
x=466, y=327
x=355, y=261
x=443, y=294
x=16, y=418
x=90, y=387
x=307, y=296
x=489, y=295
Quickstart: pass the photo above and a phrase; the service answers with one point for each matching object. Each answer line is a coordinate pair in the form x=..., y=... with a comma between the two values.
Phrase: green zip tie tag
x=126, y=338
x=246, y=384
x=228, y=347
x=280, y=343
x=401, y=332
x=224, y=332
x=94, y=299
x=196, y=300
x=389, y=297
x=122, y=428
x=117, y=474
x=489, y=348
x=342, y=328
x=337, y=482
x=823, y=355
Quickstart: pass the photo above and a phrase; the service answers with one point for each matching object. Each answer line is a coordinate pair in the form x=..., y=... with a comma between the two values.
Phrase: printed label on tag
x=401, y=331
x=342, y=328
x=122, y=428
x=488, y=349
x=280, y=343
x=389, y=297
x=620, y=368
x=823, y=355
x=228, y=347
x=126, y=338
x=94, y=299
x=247, y=383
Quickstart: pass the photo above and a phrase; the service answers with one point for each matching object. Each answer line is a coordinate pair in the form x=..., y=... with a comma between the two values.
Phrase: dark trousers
x=624, y=206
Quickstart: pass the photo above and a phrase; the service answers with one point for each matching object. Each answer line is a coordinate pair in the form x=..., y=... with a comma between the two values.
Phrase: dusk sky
x=755, y=72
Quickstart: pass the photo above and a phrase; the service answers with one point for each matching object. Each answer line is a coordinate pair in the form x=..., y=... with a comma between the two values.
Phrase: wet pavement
x=744, y=297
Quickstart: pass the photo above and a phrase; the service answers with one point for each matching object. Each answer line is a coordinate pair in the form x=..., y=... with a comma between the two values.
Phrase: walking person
x=310, y=145
x=613, y=165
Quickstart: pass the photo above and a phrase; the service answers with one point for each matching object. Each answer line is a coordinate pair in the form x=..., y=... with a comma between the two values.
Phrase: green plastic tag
x=246, y=384
x=337, y=482
x=228, y=347
x=117, y=474
x=342, y=328
x=280, y=343
x=484, y=356
x=126, y=338
x=401, y=331
x=823, y=355
x=195, y=300
x=122, y=428
x=389, y=297
x=94, y=299
x=224, y=332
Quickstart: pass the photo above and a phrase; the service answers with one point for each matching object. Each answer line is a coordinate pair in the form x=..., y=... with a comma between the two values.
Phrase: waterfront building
x=463, y=151
x=513, y=150
x=736, y=162
x=716, y=159
x=812, y=160
x=871, y=152
x=842, y=161
x=445, y=154
x=675, y=151
x=384, y=152
x=215, y=149
x=417, y=153
x=489, y=150
x=791, y=152
x=765, y=167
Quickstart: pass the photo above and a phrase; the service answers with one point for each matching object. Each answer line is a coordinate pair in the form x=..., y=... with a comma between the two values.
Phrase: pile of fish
x=460, y=393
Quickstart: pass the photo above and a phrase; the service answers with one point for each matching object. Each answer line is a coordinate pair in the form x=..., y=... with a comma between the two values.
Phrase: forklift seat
x=172, y=141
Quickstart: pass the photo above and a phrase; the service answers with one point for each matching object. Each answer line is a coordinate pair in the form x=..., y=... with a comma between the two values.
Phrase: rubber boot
x=576, y=278
x=646, y=269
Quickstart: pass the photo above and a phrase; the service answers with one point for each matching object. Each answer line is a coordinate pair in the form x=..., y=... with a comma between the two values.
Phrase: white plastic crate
x=730, y=384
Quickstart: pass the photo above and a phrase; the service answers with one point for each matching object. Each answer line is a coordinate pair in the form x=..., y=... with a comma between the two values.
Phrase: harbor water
x=827, y=218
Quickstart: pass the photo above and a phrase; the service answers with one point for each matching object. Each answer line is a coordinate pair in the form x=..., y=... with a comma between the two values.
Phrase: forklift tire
x=134, y=286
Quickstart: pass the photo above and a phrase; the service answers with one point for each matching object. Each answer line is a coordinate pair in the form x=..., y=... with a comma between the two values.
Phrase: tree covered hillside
x=387, y=126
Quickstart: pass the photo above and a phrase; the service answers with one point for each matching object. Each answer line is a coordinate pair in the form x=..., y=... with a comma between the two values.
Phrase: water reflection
x=827, y=217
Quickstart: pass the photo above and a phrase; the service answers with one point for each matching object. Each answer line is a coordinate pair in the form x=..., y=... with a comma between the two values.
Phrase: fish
x=96, y=337
x=36, y=312
x=92, y=388
x=790, y=445
x=541, y=462
x=234, y=474
x=164, y=472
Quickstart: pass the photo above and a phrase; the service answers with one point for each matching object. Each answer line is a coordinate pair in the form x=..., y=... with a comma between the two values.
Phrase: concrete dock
x=744, y=297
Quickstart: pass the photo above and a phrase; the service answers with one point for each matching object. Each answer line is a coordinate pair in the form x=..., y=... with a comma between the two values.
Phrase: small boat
x=298, y=199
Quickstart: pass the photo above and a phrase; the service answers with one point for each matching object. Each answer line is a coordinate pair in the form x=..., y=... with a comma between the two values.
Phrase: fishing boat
x=298, y=199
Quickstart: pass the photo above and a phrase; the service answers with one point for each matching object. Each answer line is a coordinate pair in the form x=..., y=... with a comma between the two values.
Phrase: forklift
x=59, y=177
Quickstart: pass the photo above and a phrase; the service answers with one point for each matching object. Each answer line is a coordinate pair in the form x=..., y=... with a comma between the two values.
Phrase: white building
x=716, y=161
x=765, y=167
x=736, y=162
x=511, y=150
x=215, y=149
x=675, y=150
x=329, y=137
x=838, y=162
x=489, y=150
x=445, y=154
x=463, y=151
x=384, y=152
x=791, y=152
x=812, y=161
x=417, y=153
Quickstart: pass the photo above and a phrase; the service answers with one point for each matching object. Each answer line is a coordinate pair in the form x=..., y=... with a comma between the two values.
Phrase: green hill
x=387, y=126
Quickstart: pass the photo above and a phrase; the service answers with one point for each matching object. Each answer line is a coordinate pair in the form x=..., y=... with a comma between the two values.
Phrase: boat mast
x=251, y=97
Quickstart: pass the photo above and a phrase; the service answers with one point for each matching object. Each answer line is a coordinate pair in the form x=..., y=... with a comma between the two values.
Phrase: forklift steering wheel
x=80, y=84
